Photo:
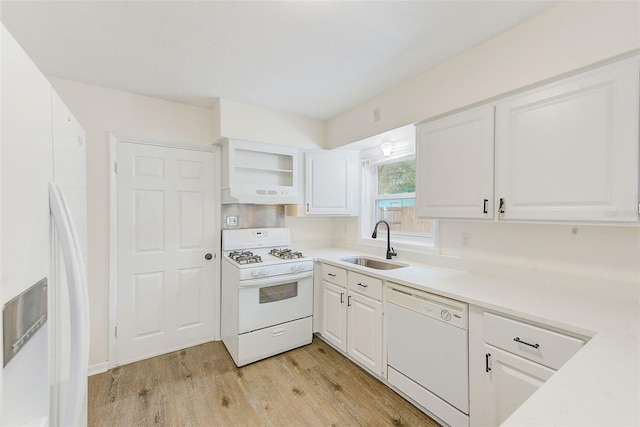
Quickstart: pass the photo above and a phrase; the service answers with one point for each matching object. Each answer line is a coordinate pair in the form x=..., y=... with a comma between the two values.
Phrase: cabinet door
x=509, y=383
x=364, y=336
x=568, y=151
x=331, y=182
x=454, y=168
x=334, y=315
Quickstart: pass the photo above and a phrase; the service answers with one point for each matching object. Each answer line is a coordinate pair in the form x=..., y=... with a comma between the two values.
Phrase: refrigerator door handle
x=78, y=305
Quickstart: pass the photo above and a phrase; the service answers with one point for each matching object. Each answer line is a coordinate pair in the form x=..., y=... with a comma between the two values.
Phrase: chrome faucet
x=390, y=251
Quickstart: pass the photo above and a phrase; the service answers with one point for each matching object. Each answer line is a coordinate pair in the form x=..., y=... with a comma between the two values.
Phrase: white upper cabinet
x=568, y=151
x=454, y=177
x=256, y=172
x=331, y=185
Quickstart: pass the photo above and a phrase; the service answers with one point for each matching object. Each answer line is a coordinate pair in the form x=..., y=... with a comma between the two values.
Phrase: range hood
x=260, y=173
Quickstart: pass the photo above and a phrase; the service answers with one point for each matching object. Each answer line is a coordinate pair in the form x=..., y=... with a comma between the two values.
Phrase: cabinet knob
x=208, y=257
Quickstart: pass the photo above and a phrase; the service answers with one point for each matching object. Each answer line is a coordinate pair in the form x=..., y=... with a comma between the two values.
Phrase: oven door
x=274, y=300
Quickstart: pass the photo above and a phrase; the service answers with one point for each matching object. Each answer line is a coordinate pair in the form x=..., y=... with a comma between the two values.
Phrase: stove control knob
x=264, y=272
x=255, y=273
x=445, y=315
x=294, y=268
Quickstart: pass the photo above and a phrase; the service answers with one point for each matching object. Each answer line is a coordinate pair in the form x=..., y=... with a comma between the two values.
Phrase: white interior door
x=166, y=229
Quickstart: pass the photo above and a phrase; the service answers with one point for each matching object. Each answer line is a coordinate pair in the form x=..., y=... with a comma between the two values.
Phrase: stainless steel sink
x=376, y=264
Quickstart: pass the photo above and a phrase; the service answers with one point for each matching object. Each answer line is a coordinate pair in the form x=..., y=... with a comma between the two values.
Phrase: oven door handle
x=268, y=281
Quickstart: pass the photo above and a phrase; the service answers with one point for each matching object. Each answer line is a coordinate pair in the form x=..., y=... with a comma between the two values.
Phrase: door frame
x=114, y=139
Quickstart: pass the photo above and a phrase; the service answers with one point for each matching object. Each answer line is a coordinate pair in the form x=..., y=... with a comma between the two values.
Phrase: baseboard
x=98, y=368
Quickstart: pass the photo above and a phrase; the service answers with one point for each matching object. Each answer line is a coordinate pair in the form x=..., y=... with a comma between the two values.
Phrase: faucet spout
x=390, y=251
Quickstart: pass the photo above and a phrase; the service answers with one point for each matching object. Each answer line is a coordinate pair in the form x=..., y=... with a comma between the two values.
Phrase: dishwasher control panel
x=440, y=308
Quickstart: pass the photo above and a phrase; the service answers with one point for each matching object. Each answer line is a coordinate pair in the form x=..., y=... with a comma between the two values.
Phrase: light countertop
x=600, y=385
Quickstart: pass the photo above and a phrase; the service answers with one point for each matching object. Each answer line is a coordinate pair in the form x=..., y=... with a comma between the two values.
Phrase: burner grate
x=245, y=257
x=285, y=254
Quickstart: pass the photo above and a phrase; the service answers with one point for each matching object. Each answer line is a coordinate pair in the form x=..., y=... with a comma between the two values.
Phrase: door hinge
x=115, y=167
x=116, y=331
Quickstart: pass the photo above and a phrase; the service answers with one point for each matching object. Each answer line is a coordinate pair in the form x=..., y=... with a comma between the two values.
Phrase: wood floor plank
x=200, y=386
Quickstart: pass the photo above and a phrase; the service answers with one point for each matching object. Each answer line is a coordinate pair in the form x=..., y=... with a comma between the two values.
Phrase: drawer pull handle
x=501, y=207
x=517, y=339
x=486, y=362
x=364, y=286
x=331, y=274
x=279, y=332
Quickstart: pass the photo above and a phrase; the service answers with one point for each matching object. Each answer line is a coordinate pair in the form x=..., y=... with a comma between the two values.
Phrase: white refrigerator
x=42, y=243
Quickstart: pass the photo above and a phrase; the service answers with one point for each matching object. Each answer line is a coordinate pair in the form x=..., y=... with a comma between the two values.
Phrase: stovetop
x=256, y=256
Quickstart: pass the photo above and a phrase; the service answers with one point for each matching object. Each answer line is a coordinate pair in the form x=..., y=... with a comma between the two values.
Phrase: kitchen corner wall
x=99, y=111
x=566, y=38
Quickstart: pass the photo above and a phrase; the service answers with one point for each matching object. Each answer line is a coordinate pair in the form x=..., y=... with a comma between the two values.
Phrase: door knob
x=208, y=257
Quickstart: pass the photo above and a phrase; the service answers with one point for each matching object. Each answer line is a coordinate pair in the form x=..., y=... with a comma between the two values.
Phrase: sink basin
x=376, y=264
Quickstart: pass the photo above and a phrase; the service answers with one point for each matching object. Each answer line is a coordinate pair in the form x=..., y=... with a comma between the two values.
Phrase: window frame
x=420, y=241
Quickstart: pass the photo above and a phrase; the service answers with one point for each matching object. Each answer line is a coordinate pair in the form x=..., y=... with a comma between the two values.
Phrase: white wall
x=243, y=121
x=100, y=111
x=568, y=37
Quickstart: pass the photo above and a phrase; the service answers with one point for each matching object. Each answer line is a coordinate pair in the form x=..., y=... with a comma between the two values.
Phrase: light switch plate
x=232, y=221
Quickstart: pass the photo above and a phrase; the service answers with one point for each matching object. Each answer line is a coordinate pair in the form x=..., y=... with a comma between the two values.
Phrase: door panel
x=364, y=337
x=569, y=150
x=454, y=159
x=334, y=315
x=510, y=382
x=166, y=225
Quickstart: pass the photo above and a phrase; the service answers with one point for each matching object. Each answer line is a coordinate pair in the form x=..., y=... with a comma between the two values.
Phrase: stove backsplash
x=253, y=216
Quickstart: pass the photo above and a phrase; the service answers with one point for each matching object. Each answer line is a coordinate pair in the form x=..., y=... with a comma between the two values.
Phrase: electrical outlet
x=466, y=239
x=376, y=115
x=232, y=221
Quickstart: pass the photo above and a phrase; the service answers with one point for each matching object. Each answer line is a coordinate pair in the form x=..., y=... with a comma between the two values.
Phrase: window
x=391, y=184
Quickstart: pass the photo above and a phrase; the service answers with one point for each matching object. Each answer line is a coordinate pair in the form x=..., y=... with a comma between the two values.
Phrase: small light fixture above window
x=386, y=146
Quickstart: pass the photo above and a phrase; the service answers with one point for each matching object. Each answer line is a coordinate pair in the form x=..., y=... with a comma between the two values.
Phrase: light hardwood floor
x=200, y=386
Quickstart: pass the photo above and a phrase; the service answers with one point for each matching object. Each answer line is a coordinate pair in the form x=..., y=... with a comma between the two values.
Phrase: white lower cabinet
x=334, y=315
x=364, y=331
x=509, y=382
x=352, y=316
x=509, y=359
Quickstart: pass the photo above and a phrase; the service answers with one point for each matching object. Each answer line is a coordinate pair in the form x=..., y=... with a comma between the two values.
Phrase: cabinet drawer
x=334, y=275
x=540, y=345
x=365, y=285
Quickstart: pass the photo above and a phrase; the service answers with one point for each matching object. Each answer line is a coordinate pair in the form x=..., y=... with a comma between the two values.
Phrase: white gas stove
x=267, y=294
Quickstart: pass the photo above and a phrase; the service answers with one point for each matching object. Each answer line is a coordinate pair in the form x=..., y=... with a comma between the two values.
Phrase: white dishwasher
x=428, y=357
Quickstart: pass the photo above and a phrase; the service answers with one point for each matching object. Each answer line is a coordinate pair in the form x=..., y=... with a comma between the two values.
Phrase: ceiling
x=314, y=58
